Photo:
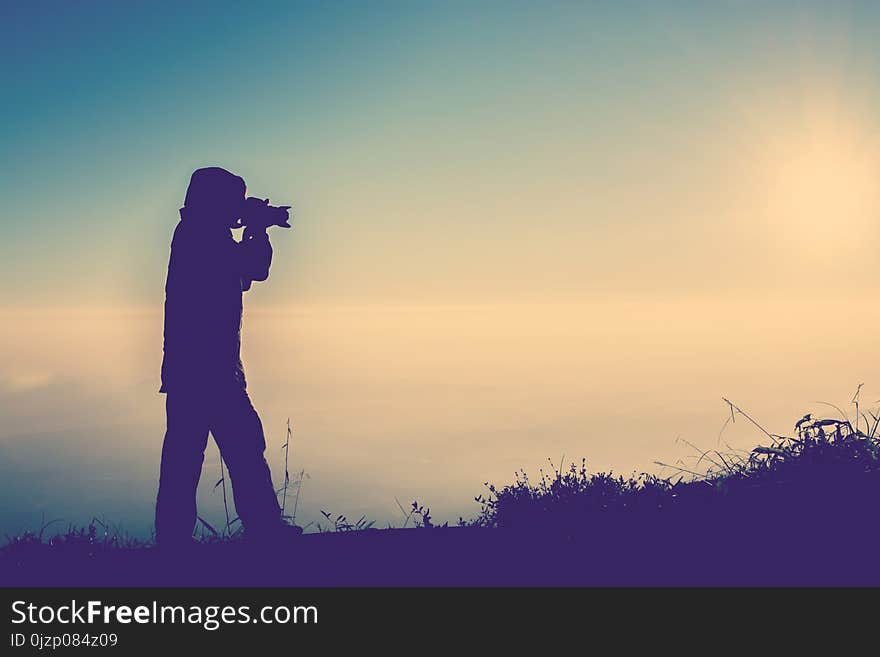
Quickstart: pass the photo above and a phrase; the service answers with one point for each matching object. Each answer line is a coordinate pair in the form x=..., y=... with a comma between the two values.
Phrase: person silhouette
x=202, y=373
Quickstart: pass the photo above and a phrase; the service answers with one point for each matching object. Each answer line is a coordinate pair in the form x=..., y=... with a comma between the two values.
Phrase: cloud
x=25, y=381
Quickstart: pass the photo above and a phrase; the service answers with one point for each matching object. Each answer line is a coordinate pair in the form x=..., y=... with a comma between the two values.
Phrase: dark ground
x=805, y=512
x=810, y=547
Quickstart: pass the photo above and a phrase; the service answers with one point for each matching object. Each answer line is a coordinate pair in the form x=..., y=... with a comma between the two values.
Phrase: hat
x=212, y=187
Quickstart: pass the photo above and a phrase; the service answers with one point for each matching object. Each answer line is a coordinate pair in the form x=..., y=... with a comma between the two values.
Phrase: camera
x=257, y=213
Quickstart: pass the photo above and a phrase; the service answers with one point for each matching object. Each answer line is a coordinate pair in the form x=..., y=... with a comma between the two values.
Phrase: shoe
x=291, y=531
x=280, y=533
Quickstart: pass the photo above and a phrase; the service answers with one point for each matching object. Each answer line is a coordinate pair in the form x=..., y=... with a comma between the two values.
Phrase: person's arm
x=254, y=256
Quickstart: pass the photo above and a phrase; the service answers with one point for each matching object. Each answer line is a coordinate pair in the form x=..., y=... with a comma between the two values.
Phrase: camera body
x=257, y=213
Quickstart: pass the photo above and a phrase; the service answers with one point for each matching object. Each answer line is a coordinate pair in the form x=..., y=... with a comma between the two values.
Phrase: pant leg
x=183, y=452
x=238, y=431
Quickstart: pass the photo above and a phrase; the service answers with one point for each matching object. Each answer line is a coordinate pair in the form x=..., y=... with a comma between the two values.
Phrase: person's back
x=207, y=272
x=202, y=373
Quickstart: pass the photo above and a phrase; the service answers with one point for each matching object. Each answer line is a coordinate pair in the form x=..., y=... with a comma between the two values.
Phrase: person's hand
x=251, y=232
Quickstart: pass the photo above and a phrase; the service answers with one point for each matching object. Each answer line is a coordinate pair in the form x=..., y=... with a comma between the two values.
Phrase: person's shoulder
x=196, y=243
x=188, y=231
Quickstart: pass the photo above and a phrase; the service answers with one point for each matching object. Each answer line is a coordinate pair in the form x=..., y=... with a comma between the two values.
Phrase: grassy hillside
x=797, y=510
x=824, y=464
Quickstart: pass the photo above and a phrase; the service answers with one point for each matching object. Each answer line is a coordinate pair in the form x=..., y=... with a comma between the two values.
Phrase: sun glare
x=822, y=183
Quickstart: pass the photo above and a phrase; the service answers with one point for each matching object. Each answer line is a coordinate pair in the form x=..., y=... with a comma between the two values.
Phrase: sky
x=489, y=151
x=558, y=206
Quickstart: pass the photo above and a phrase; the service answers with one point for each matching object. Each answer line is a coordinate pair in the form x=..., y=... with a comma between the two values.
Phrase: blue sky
x=423, y=144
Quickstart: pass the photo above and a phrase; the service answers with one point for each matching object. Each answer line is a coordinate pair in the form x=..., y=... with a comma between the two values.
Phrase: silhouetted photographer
x=202, y=372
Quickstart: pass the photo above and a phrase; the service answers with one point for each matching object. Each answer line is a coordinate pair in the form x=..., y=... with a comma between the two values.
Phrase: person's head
x=215, y=195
